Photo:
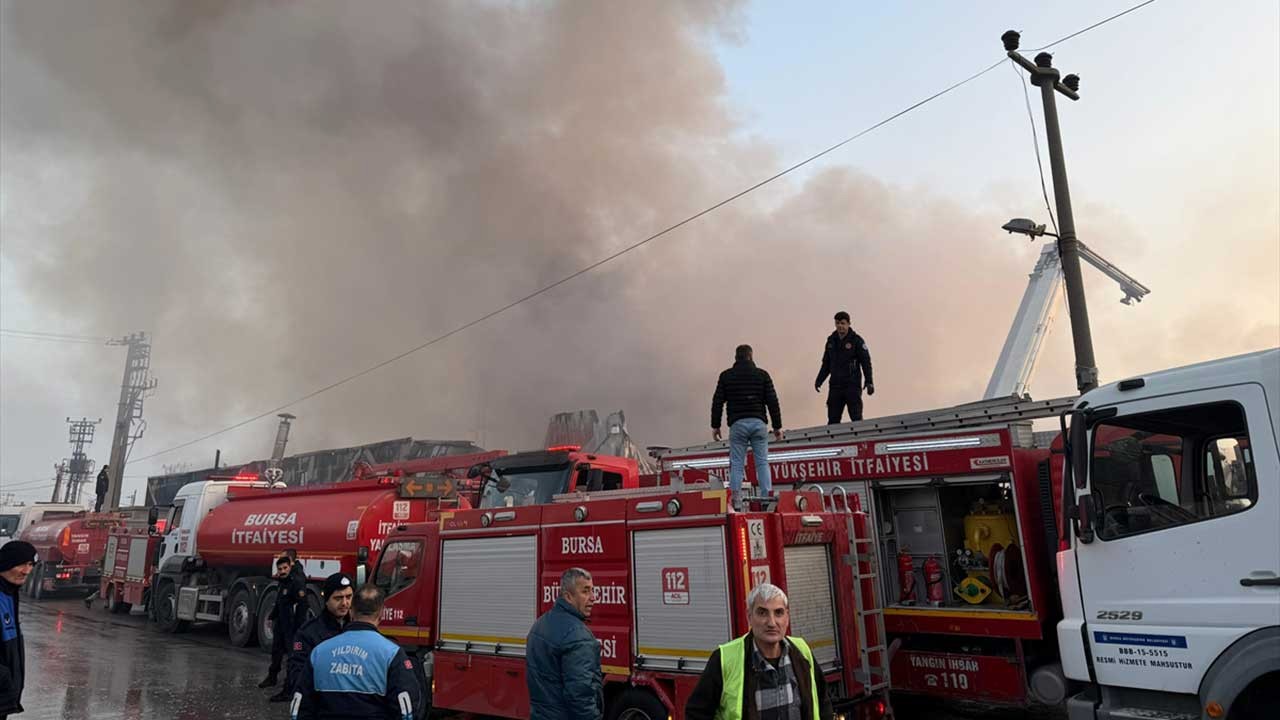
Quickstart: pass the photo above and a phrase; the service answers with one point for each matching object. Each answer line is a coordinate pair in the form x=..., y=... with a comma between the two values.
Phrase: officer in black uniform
x=359, y=673
x=846, y=360
x=337, y=592
x=287, y=614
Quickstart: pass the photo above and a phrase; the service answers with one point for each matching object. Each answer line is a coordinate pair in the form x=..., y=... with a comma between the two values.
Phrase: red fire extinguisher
x=933, y=580
x=906, y=579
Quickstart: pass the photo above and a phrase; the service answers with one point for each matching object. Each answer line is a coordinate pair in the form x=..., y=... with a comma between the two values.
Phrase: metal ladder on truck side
x=864, y=559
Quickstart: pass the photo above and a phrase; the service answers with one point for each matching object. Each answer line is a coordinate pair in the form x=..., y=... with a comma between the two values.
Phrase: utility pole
x=59, y=469
x=1045, y=77
x=79, y=466
x=136, y=384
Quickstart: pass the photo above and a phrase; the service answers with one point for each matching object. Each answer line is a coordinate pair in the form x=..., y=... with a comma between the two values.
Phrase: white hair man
x=562, y=657
x=763, y=675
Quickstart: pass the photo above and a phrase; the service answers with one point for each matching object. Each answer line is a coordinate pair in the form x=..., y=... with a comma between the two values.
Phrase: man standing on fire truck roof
x=337, y=592
x=846, y=359
x=562, y=657
x=763, y=675
x=749, y=392
x=358, y=673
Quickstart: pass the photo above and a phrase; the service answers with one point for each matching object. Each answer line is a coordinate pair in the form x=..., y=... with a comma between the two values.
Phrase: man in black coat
x=748, y=391
x=291, y=591
x=17, y=560
x=337, y=593
x=100, y=489
x=846, y=360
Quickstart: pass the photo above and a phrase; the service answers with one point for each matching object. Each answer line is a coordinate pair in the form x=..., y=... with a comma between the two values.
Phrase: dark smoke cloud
x=284, y=193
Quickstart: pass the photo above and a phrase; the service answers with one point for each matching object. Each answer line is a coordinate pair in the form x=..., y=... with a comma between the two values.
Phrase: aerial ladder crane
x=1039, y=306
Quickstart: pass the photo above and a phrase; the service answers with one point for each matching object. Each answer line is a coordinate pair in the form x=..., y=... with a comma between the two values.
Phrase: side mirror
x=473, y=472
x=153, y=515
x=362, y=555
x=1079, y=449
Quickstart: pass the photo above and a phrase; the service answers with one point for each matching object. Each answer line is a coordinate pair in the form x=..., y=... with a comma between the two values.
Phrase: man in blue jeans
x=748, y=390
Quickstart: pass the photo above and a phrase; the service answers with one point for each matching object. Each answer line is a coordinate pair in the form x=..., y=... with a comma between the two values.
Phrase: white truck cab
x=1170, y=576
x=191, y=504
x=14, y=519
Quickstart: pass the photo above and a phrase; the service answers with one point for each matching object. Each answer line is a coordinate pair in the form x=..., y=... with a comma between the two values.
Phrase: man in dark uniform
x=17, y=560
x=337, y=592
x=100, y=489
x=846, y=360
x=291, y=591
x=359, y=673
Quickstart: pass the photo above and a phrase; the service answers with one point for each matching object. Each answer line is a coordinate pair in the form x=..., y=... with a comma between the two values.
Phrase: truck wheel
x=37, y=582
x=638, y=704
x=112, y=600
x=241, y=620
x=266, y=627
x=167, y=610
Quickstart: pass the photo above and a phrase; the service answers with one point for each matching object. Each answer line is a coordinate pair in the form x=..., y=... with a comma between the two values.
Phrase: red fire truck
x=962, y=502
x=70, y=549
x=672, y=571
x=212, y=558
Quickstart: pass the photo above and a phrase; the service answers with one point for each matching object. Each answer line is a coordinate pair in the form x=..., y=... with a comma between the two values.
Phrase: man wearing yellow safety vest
x=763, y=675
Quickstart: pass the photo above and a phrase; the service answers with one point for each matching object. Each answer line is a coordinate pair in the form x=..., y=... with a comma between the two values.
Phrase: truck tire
x=37, y=582
x=114, y=601
x=242, y=621
x=167, y=610
x=638, y=704
x=266, y=627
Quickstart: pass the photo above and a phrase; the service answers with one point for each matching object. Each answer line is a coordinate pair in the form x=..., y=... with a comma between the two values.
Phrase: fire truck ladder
x=864, y=559
x=975, y=414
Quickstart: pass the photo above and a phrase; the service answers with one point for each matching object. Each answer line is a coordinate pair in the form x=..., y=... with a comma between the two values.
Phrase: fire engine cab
x=672, y=569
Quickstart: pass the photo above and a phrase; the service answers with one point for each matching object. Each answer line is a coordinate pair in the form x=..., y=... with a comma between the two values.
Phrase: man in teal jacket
x=563, y=658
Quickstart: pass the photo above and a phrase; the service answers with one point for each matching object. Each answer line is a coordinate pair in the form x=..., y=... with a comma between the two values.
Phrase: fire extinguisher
x=933, y=580
x=906, y=579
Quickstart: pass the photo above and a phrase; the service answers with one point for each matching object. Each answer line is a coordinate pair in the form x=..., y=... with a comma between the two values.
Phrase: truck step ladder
x=864, y=559
x=968, y=415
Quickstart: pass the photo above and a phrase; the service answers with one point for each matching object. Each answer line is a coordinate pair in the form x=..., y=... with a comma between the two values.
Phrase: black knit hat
x=334, y=583
x=15, y=553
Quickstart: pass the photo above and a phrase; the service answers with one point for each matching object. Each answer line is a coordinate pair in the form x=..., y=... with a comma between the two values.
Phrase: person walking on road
x=748, y=391
x=563, y=658
x=763, y=675
x=17, y=560
x=101, y=487
x=338, y=591
x=289, y=592
x=846, y=360
x=358, y=673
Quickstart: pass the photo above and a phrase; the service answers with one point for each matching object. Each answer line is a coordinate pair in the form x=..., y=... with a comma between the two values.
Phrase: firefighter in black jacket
x=100, y=488
x=846, y=360
x=337, y=592
x=17, y=560
x=287, y=614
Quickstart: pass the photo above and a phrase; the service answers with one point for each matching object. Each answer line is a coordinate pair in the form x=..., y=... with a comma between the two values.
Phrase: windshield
x=529, y=486
x=9, y=525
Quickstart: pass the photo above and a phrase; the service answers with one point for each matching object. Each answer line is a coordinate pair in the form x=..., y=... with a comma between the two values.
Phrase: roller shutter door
x=811, y=602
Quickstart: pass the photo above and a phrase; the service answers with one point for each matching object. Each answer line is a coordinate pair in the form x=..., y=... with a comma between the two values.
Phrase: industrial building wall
x=314, y=468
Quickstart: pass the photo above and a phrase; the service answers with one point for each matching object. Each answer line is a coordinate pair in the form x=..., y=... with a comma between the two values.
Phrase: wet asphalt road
x=85, y=664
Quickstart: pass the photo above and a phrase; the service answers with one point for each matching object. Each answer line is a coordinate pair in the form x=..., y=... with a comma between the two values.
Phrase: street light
x=1132, y=289
x=1045, y=77
x=1023, y=226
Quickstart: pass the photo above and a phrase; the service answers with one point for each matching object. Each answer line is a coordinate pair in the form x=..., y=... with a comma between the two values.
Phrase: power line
x=41, y=338
x=619, y=253
x=60, y=336
x=1098, y=24
x=1035, y=143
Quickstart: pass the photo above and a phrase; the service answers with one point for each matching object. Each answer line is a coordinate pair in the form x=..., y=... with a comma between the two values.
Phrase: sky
x=285, y=194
